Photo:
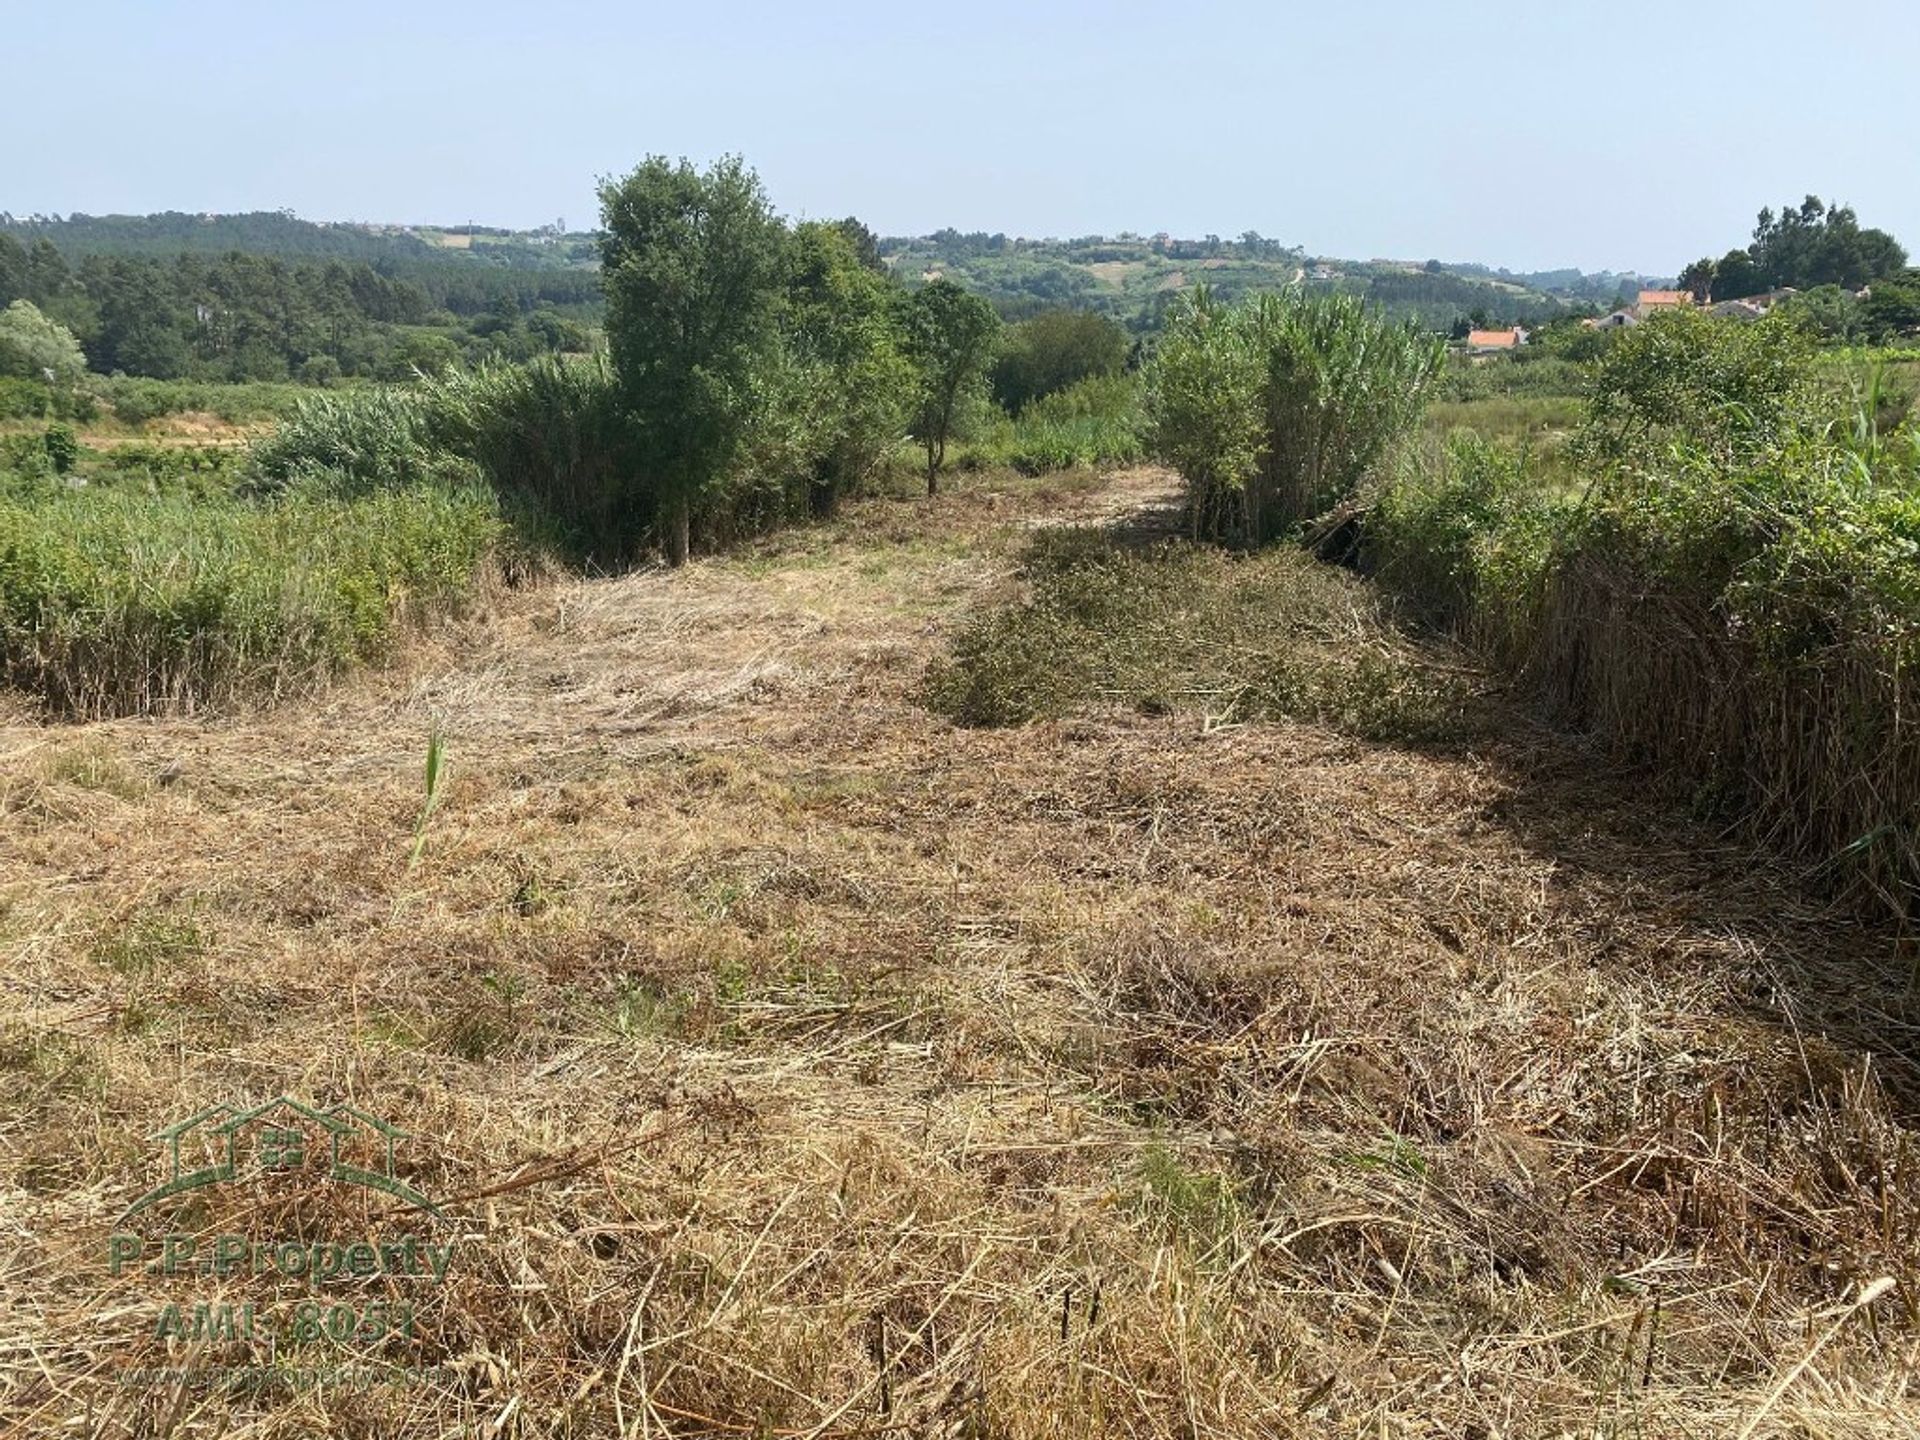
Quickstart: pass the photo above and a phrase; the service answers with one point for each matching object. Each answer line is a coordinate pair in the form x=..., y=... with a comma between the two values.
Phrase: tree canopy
x=34, y=347
x=1056, y=349
x=1802, y=247
x=949, y=337
x=693, y=268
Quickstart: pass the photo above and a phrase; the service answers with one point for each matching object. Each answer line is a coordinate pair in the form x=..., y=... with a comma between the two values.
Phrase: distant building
x=1662, y=300
x=1488, y=342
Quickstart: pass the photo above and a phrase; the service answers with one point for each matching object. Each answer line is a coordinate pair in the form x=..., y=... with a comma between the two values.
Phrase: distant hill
x=1130, y=277
x=279, y=232
x=1133, y=277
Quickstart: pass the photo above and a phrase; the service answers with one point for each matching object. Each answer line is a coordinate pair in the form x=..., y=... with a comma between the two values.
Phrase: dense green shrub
x=359, y=442
x=550, y=439
x=1278, y=409
x=1099, y=421
x=1735, y=596
x=1467, y=534
x=1053, y=351
x=36, y=400
x=136, y=401
x=1733, y=389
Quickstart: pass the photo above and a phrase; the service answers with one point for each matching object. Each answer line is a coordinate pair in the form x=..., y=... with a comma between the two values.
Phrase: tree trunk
x=933, y=469
x=679, y=526
x=823, y=499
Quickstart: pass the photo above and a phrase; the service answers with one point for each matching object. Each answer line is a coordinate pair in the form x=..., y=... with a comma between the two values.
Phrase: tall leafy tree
x=692, y=265
x=1053, y=350
x=949, y=337
x=839, y=324
x=36, y=348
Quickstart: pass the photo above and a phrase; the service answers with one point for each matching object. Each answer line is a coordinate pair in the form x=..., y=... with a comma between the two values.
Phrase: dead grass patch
x=791, y=1061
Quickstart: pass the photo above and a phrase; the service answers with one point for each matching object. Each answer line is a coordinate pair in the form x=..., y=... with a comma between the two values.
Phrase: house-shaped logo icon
x=278, y=1136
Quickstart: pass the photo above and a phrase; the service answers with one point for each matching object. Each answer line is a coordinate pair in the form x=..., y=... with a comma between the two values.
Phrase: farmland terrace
x=791, y=1061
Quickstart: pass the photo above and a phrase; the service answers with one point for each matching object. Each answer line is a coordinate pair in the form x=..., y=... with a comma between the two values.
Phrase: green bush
x=1735, y=597
x=1054, y=351
x=549, y=437
x=1278, y=409
x=62, y=447
x=1467, y=535
x=357, y=442
x=135, y=401
x=1099, y=421
x=35, y=399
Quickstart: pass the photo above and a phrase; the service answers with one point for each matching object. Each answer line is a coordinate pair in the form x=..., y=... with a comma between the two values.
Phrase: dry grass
x=796, y=1064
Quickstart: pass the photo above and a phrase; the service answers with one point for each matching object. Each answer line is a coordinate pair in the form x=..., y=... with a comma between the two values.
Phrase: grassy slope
x=807, y=1062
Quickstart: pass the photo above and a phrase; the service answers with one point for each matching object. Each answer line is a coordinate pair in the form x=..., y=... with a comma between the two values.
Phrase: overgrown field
x=789, y=1060
x=143, y=577
x=146, y=579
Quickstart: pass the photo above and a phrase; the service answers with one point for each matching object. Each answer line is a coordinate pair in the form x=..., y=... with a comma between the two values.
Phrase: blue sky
x=1527, y=133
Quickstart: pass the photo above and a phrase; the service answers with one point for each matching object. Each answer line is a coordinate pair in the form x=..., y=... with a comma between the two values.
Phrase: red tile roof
x=1492, y=339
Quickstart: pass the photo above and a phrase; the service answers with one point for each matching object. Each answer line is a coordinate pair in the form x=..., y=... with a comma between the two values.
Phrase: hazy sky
x=1609, y=134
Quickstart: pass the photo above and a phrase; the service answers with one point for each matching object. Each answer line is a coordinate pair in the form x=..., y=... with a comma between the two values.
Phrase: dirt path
x=793, y=1059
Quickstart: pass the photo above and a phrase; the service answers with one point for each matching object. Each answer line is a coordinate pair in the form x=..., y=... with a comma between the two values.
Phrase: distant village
x=1752, y=307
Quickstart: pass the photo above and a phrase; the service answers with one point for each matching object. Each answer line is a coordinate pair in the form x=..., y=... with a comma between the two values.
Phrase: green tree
x=1818, y=244
x=35, y=348
x=949, y=338
x=1893, y=308
x=1697, y=279
x=1736, y=276
x=692, y=267
x=840, y=329
x=1829, y=312
x=1053, y=350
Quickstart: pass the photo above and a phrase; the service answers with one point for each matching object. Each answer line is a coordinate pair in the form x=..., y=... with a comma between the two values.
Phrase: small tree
x=948, y=337
x=839, y=327
x=1054, y=350
x=691, y=263
x=36, y=348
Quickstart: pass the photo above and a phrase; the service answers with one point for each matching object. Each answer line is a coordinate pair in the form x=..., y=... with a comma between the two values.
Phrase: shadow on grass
x=1128, y=616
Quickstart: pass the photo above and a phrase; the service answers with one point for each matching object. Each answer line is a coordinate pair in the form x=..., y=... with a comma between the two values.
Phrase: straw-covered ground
x=788, y=1061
